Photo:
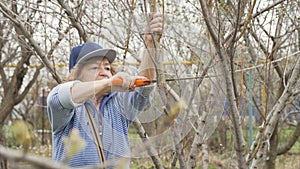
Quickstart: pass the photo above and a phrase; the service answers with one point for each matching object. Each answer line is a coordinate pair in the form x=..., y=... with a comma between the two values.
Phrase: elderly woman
x=98, y=108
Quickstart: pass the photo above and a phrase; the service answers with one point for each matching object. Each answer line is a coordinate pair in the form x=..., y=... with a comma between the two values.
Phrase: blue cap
x=89, y=50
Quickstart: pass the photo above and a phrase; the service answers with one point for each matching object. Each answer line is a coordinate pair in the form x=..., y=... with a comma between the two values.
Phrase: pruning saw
x=145, y=81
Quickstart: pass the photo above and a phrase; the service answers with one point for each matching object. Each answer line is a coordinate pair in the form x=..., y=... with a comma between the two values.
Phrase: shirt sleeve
x=133, y=103
x=61, y=106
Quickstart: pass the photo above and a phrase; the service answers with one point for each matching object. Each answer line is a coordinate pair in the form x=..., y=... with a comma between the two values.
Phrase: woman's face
x=95, y=69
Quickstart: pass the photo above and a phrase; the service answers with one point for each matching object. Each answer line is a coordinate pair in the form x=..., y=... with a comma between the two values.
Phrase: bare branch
x=13, y=155
x=74, y=20
x=40, y=53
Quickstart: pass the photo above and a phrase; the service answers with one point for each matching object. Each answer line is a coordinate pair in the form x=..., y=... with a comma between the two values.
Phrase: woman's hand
x=123, y=82
x=154, y=28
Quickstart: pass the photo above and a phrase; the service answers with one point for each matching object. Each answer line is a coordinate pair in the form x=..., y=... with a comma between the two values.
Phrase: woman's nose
x=100, y=71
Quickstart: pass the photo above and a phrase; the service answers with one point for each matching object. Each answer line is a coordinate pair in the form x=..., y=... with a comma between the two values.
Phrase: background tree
x=239, y=56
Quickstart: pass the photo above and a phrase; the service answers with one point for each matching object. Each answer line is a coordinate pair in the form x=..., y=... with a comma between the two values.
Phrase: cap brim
x=107, y=53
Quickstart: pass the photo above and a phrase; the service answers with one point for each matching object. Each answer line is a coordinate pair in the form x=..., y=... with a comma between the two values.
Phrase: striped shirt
x=117, y=111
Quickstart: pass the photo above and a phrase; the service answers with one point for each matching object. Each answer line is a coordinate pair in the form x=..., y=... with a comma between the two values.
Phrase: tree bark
x=198, y=141
x=151, y=150
x=222, y=130
x=271, y=154
x=275, y=114
x=3, y=162
x=205, y=156
x=234, y=113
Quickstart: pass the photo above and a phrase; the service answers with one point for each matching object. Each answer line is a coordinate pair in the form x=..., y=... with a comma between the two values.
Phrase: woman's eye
x=107, y=68
x=94, y=68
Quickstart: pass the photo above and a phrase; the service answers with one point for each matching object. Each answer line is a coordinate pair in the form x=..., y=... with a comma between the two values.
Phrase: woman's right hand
x=122, y=82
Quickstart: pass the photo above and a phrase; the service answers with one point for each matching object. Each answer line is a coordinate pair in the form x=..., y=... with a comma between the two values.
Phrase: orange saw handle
x=138, y=82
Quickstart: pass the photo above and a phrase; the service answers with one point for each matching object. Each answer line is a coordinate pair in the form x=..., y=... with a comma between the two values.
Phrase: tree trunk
x=205, y=156
x=275, y=114
x=222, y=129
x=6, y=108
x=151, y=150
x=271, y=154
x=222, y=53
x=3, y=162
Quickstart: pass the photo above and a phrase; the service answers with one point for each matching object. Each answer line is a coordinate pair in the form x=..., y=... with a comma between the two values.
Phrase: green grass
x=147, y=164
x=284, y=136
x=283, y=161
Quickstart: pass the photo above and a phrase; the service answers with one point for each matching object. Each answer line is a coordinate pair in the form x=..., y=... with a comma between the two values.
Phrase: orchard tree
x=214, y=59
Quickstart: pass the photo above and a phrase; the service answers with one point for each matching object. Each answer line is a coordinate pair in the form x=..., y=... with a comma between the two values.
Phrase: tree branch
x=275, y=114
x=7, y=13
x=291, y=141
x=74, y=20
x=40, y=162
